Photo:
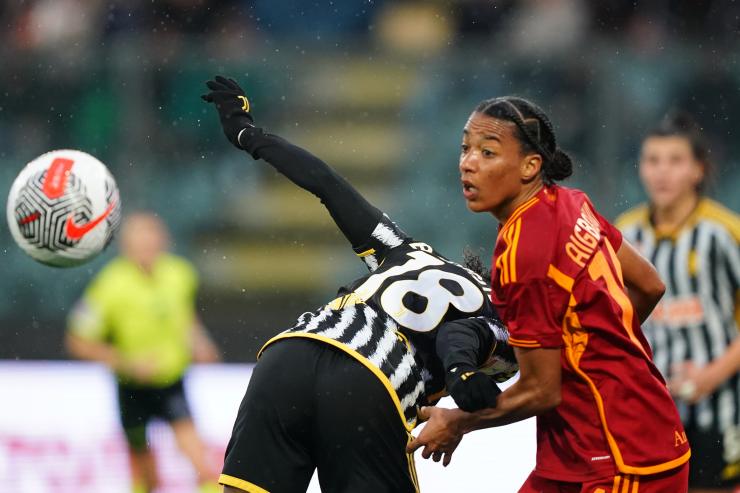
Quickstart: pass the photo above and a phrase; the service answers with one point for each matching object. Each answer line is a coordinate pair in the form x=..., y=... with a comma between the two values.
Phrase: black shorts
x=710, y=450
x=311, y=406
x=138, y=405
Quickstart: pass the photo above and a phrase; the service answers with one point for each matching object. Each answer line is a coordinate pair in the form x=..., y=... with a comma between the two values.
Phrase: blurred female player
x=572, y=294
x=339, y=391
x=693, y=242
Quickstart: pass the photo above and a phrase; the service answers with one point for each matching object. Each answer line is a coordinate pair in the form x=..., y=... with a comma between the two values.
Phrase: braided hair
x=534, y=132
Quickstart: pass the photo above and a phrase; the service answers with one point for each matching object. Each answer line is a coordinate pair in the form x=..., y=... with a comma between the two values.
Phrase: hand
x=691, y=383
x=232, y=105
x=441, y=434
x=471, y=390
x=140, y=370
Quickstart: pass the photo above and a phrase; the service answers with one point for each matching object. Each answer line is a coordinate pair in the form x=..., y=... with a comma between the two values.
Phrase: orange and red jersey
x=557, y=283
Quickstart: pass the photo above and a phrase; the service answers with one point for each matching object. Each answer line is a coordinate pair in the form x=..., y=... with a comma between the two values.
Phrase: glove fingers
x=216, y=86
x=228, y=83
x=236, y=85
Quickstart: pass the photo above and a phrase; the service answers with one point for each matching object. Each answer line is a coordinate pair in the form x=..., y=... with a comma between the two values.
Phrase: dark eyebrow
x=485, y=137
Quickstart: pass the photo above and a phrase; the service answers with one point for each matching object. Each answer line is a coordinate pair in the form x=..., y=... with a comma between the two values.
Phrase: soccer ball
x=63, y=208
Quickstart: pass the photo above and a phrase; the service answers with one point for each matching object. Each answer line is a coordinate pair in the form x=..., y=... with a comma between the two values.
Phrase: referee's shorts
x=310, y=406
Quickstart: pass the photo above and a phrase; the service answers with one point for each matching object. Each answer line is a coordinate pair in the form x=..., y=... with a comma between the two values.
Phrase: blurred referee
x=138, y=318
x=693, y=243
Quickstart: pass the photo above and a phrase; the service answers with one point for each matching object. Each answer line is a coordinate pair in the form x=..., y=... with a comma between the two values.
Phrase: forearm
x=93, y=351
x=464, y=343
x=517, y=403
x=725, y=366
x=204, y=349
x=354, y=215
x=643, y=303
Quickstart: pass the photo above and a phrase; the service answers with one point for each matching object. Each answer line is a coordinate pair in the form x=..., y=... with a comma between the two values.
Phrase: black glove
x=472, y=390
x=232, y=106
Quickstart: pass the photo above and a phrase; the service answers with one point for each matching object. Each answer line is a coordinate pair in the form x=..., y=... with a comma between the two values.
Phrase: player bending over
x=339, y=391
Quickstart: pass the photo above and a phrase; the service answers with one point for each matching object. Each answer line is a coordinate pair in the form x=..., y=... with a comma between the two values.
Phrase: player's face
x=669, y=170
x=490, y=165
x=143, y=239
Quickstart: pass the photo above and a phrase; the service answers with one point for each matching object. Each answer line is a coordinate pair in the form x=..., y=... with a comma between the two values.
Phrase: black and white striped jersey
x=387, y=319
x=697, y=318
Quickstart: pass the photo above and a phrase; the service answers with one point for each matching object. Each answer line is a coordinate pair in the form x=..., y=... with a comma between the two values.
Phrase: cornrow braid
x=534, y=132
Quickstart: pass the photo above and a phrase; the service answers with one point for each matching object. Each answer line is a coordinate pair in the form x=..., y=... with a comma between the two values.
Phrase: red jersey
x=557, y=283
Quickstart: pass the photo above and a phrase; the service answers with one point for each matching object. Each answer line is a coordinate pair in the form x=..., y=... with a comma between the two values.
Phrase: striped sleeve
x=386, y=236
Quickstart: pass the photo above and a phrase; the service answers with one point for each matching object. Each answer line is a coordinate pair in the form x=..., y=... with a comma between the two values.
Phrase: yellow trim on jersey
x=517, y=227
x=615, y=487
x=366, y=253
x=573, y=356
x=562, y=279
x=350, y=299
x=525, y=343
x=362, y=359
x=242, y=484
x=621, y=466
x=520, y=210
x=637, y=215
x=715, y=211
x=412, y=465
x=511, y=230
x=705, y=209
x=507, y=260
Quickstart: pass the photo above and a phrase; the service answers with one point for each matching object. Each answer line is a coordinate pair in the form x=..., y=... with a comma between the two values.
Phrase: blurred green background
x=378, y=89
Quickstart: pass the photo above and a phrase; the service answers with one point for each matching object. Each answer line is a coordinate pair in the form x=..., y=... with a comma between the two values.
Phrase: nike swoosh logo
x=76, y=232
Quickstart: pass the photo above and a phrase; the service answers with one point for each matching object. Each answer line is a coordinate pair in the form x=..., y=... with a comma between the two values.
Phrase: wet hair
x=679, y=123
x=473, y=262
x=534, y=132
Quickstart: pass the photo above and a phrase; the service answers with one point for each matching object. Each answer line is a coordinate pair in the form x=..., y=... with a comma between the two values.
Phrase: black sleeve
x=476, y=343
x=356, y=217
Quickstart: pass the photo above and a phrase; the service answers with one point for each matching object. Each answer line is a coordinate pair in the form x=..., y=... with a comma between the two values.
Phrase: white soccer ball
x=63, y=208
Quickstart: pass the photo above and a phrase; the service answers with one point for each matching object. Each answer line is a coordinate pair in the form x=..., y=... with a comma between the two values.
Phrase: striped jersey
x=387, y=319
x=697, y=318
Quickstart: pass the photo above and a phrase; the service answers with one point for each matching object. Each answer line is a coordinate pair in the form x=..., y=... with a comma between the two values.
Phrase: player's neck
x=527, y=193
x=673, y=216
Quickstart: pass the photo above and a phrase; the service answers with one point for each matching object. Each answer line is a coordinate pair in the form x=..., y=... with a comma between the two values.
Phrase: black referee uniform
x=339, y=391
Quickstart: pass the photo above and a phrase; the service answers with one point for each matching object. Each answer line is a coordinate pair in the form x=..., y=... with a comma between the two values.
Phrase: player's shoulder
x=714, y=211
x=111, y=278
x=526, y=241
x=537, y=239
x=177, y=265
x=113, y=271
x=636, y=216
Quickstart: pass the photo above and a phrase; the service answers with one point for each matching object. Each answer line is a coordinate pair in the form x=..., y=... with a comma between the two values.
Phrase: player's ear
x=530, y=167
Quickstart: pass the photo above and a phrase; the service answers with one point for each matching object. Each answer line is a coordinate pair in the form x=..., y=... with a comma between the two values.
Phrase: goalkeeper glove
x=472, y=390
x=232, y=105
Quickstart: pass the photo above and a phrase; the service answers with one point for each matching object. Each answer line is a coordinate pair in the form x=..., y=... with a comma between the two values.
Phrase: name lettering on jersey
x=679, y=438
x=585, y=237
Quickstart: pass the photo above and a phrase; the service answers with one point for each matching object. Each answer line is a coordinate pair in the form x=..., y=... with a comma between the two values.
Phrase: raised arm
x=354, y=215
